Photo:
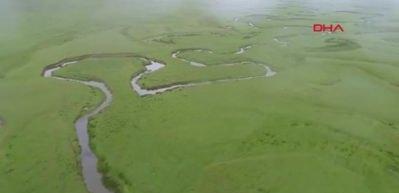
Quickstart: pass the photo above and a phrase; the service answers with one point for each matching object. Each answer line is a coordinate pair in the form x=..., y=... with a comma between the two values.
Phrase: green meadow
x=327, y=122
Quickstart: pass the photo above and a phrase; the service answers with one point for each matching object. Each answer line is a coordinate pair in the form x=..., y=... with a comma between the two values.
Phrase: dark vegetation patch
x=171, y=38
x=2, y=122
x=111, y=181
x=336, y=45
x=125, y=32
x=165, y=41
x=168, y=37
x=355, y=147
x=395, y=84
x=351, y=12
x=252, y=34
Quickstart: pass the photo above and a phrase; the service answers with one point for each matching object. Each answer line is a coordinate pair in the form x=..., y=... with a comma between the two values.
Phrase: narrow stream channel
x=243, y=49
x=92, y=177
x=192, y=63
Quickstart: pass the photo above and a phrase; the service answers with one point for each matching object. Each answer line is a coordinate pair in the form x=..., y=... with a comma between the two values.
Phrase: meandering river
x=89, y=161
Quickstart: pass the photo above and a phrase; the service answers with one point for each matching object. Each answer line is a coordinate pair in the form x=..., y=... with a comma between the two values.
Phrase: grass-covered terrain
x=327, y=122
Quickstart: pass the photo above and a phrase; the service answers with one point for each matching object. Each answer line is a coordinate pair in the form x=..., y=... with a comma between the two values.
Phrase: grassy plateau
x=327, y=122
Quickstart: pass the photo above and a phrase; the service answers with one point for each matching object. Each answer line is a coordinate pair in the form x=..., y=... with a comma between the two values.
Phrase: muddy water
x=92, y=177
x=154, y=66
x=243, y=49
